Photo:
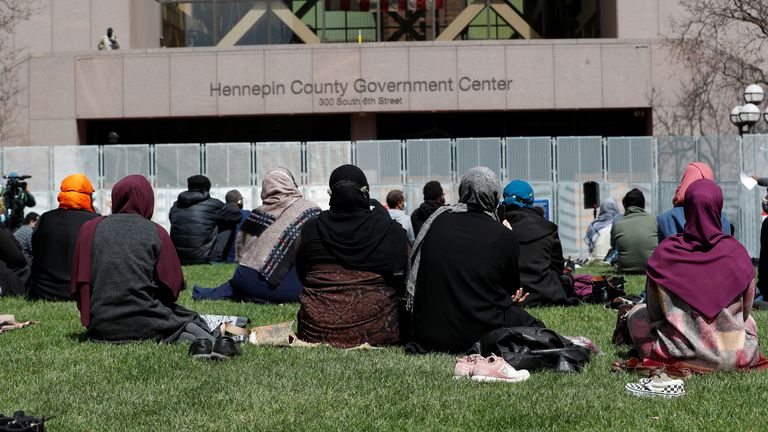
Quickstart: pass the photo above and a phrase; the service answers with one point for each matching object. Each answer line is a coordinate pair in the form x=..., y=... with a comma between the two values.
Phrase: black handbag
x=532, y=348
x=22, y=423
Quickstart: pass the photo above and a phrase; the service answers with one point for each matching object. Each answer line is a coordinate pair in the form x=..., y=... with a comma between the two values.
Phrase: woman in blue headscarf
x=541, y=259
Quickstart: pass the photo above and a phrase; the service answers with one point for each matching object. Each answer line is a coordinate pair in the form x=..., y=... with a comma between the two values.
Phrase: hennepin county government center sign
x=360, y=91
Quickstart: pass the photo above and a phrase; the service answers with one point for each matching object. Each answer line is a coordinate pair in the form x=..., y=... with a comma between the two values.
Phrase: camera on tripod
x=15, y=198
x=15, y=183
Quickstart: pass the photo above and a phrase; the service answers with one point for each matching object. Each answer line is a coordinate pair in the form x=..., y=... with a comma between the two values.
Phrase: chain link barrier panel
x=579, y=159
x=531, y=159
x=555, y=167
x=426, y=160
x=630, y=164
x=382, y=163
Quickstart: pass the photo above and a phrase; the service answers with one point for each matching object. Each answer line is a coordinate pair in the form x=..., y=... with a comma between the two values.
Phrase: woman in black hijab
x=352, y=262
x=464, y=279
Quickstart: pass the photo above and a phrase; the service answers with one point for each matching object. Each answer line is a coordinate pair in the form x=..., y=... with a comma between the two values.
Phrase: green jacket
x=634, y=236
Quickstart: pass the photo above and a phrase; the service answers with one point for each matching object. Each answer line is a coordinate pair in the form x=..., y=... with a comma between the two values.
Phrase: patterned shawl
x=266, y=240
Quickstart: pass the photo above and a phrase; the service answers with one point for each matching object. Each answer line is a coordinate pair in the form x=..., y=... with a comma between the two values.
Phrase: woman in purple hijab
x=700, y=287
x=126, y=275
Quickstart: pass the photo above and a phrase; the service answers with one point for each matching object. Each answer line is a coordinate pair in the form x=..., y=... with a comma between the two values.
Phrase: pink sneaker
x=495, y=368
x=465, y=366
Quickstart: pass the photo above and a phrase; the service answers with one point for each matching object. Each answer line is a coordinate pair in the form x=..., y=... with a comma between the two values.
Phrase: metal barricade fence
x=578, y=159
x=722, y=153
x=382, y=163
x=673, y=155
x=472, y=152
x=531, y=159
x=269, y=155
x=229, y=164
x=754, y=162
x=174, y=163
x=69, y=160
x=426, y=160
x=630, y=164
x=322, y=158
x=555, y=167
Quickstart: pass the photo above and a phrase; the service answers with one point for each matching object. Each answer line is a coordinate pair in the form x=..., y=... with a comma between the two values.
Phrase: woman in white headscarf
x=598, y=238
x=266, y=244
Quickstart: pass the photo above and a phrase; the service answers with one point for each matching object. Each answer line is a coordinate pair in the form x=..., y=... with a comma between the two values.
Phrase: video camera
x=14, y=199
x=16, y=182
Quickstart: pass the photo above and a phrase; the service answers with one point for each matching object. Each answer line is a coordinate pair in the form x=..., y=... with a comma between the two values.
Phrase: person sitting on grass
x=598, y=238
x=53, y=241
x=235, y=198
x=126, y=275
x=352, y=262
x=700, y=287
x=266, y=246
x=434, y=198
x=12, y=260
x=23, y=234
x=634, y=236
x=541, y=259
x=464, y=279
x=396, y=204
x=200, y=225
x=672, y=222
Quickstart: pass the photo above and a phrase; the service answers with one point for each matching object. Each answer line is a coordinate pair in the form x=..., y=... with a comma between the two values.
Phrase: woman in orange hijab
x=672, y=222
x=76, y=193
x=53, y=241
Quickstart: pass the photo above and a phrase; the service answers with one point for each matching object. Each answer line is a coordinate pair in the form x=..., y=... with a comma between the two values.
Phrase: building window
x=265, y=22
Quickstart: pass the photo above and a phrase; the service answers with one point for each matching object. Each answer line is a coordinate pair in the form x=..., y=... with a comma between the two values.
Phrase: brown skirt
x=347, y=308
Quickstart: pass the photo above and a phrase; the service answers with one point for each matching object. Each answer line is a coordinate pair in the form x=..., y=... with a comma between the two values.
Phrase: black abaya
x=467, y=276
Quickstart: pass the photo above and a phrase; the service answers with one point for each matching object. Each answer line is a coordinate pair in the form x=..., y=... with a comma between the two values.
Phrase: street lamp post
x=749, y=114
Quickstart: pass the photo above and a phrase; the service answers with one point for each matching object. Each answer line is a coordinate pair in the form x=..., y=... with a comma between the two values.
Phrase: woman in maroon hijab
x=126, y=275
x=700, y=287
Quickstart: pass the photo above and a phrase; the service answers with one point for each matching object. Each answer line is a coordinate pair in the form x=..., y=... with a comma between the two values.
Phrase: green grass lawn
x=48, y=370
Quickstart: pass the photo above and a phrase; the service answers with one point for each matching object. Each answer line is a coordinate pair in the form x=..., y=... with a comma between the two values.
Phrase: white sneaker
x=495, y=368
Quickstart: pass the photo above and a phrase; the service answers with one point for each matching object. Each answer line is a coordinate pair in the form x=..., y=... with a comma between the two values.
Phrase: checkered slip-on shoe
x=664, y=378
x=656, y=387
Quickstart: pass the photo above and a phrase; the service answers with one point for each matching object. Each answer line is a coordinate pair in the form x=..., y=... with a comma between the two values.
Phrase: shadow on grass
x=78, y=337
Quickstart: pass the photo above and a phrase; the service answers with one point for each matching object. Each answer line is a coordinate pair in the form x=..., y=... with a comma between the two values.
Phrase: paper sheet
x=747, y=181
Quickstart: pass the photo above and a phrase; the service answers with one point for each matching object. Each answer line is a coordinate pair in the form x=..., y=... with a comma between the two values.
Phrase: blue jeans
x=249, y=285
